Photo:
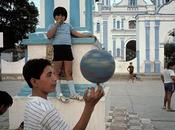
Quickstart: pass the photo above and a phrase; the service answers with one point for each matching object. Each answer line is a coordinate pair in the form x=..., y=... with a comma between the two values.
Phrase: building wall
x=151, y=33
x=166, y=25
x=121, y=13
x=141, y=43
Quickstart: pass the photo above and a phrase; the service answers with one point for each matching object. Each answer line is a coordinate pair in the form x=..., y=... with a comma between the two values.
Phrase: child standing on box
x=61, y=33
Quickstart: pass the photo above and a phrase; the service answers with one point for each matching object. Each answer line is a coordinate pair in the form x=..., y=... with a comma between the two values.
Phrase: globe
x=97, y=66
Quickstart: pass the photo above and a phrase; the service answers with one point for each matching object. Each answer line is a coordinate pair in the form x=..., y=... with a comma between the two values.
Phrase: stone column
x=76, y=17
x=75, y=13
x=114, y=48
x=157, y=62
x=122, y=48
x=105, y=34
x=147, y=47
x=49, y=7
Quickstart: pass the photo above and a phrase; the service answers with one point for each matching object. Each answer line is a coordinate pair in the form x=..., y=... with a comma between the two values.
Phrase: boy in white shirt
x=168, y=78
x=39, y=113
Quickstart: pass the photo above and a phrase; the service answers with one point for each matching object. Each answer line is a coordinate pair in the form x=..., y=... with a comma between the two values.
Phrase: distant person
x=61, y=33
x=5, y=101
x=40, y=114
x=168, y=78
x=130, y=69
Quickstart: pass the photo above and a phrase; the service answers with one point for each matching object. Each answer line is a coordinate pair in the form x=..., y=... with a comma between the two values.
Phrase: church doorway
x=131, y=50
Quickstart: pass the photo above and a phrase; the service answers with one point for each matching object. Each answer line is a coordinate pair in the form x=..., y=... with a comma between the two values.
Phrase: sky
x=36, y=2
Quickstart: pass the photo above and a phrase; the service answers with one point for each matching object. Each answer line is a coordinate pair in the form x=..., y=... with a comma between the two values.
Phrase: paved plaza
x=142, y=97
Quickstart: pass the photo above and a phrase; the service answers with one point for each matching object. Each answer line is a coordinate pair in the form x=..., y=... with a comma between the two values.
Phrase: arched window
x=131, y=50
x=167, y=1
x=132, y=24
x=102, y=2
x=107, y=2
x=132, y=3
x=118, y=52
x=122, y=23
x=98, y=27
x=118, y=24
x=113, y=23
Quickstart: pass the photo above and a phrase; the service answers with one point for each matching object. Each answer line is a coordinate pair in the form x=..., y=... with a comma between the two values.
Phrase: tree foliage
x=17, y=19
x=169, y=50
x=169, y=53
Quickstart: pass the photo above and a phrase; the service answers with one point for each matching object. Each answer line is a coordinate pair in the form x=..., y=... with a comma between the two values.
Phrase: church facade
x=134, y=31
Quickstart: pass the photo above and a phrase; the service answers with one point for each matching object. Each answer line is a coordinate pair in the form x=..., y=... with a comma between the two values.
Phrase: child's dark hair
x=5, y=99
x=34, y=68
x=60, y=11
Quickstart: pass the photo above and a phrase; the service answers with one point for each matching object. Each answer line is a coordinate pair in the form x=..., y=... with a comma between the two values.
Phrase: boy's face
x=60, y=18
x=3, y=109
x=47, y=81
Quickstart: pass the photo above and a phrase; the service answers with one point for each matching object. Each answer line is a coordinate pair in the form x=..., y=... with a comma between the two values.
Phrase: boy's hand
x=58, y=20
x=92, y=96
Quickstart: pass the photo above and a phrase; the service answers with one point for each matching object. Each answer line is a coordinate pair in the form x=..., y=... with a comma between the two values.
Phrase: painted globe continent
x=97, y=66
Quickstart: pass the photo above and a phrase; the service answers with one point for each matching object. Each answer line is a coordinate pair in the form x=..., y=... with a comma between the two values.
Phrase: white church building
x=134, y=31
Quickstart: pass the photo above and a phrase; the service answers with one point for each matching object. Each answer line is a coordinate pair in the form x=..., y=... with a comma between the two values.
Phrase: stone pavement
x=121, y=119
x=144, y=98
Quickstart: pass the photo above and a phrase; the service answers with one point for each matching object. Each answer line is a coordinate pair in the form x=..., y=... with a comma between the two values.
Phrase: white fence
x=12, y=67
x=12, y=70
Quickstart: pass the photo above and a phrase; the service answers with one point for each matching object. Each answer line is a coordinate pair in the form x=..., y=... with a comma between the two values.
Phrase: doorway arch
x=131, y=50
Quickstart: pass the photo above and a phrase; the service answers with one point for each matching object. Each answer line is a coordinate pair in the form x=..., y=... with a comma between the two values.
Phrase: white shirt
x=167, y=73
x=40, y=114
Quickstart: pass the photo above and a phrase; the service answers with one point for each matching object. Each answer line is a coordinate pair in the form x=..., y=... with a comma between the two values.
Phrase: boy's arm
x=91, y=100
x=81, y=35
x=172, y=74
x=51, y=33
x=128, y=68
x=173, y=78
x=162, y=78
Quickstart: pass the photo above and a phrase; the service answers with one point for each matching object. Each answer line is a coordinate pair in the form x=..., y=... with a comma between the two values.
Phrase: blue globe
x=97, y=66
